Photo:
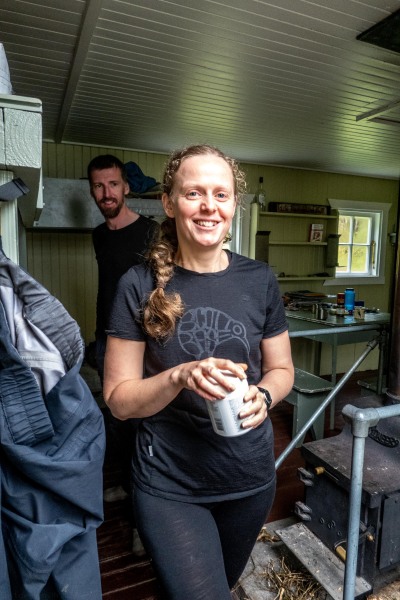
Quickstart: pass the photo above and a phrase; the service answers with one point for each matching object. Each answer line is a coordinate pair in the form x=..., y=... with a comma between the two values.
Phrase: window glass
x=359, y=259
x=344, y=228
x=362, y=229
x=355, y=243
x=343, y=259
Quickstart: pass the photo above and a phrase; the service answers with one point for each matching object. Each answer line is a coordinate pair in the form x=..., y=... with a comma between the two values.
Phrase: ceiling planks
x=275, y=82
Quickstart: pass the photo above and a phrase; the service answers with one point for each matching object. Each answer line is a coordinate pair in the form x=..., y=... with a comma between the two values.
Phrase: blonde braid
x=162, y=310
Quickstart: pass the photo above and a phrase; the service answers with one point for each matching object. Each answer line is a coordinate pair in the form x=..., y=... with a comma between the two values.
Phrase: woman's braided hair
x=162, y=309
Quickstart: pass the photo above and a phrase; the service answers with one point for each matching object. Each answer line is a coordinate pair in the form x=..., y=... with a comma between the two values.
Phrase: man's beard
x=110, y=212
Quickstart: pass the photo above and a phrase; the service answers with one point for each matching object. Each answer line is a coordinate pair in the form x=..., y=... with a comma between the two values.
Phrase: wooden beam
x=89, y=23
x=378, y=111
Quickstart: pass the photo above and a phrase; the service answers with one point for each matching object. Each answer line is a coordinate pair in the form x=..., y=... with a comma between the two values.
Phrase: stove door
x=389, y=554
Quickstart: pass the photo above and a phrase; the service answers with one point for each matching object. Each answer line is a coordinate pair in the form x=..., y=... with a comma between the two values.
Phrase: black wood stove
x=325, y=509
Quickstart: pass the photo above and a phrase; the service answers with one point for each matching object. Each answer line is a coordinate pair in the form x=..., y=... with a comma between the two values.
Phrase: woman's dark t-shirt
x=227, y=314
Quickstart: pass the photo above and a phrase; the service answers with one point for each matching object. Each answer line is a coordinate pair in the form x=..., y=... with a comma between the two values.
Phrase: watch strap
x=267, y=396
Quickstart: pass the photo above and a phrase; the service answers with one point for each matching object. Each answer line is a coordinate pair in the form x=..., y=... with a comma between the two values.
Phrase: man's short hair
x=106, y=161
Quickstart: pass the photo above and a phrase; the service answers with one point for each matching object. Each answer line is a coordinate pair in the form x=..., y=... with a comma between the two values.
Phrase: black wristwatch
x=267, y=396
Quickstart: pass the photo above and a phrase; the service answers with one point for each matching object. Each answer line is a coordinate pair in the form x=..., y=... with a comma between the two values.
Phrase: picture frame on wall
x=316, y=232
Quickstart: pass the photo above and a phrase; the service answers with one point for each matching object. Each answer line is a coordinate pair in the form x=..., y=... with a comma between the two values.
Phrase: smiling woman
x=196, y=315
x=202, y=202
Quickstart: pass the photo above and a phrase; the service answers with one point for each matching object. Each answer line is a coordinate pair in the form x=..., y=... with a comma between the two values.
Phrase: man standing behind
x=119, y=243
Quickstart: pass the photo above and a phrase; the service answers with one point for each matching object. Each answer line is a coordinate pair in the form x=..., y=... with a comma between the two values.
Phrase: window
x=362, y=227
x=357, y=243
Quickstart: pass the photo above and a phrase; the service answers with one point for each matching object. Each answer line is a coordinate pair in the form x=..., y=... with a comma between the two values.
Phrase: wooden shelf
x=290, y=248
x=297, y=215
x=281, y=243
x=305, y=278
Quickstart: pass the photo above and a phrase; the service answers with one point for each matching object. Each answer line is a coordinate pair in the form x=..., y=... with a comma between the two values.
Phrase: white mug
x=224, y=414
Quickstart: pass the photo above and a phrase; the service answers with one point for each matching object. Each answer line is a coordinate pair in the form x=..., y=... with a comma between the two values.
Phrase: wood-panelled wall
x=64, y=262
x=68, y=161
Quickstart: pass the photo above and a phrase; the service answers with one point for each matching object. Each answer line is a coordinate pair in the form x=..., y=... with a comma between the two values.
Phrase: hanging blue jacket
x=52, y=445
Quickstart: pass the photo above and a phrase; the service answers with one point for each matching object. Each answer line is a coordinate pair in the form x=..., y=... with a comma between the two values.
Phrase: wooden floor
x=125, y=577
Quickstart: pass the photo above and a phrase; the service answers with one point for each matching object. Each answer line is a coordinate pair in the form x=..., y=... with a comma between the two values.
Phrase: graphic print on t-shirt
x=202, y=330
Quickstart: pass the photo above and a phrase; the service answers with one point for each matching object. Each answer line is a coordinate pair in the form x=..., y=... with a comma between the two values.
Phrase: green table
x=337, y=331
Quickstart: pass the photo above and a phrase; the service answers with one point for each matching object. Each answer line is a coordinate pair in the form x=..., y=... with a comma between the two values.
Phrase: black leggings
x=199, y=551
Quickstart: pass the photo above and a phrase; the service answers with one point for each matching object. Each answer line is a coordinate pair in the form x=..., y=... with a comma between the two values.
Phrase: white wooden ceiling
x=281, y=82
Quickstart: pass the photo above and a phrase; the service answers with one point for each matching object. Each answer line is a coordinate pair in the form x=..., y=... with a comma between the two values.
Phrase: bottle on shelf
x=261, y=194
x=349, y=299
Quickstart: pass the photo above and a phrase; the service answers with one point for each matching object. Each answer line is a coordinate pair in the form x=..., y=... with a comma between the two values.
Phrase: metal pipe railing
x=361, y=420
x=370, y=346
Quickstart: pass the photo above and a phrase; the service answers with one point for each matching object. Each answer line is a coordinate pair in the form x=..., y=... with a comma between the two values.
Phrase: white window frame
x=360, y=208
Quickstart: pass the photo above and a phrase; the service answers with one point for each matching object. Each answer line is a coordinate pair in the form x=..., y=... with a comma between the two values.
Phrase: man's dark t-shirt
x=116, y=251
